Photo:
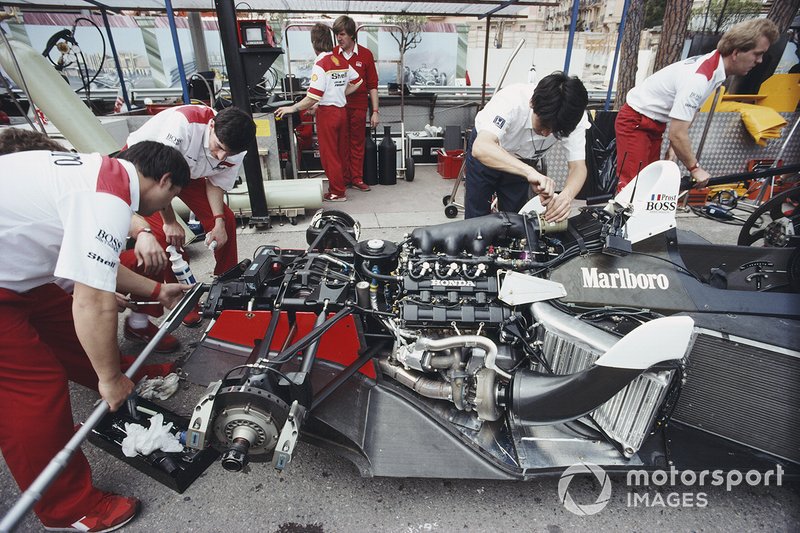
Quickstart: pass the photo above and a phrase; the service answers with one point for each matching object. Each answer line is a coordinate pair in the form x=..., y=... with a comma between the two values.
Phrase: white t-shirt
x=64, y=215
x=678, y=90
x=186, y=128
x=329, y=78
x=508, y=116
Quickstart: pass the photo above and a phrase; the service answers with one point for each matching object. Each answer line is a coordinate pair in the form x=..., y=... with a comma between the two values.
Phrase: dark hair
x=22, y=140
x=321, y=38
x=560, y=102
x=345, y=24
x=154, y=159
x=234, y=128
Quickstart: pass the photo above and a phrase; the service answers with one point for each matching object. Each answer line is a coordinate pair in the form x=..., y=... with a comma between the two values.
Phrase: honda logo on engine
x=623, y=278
x=452, y=283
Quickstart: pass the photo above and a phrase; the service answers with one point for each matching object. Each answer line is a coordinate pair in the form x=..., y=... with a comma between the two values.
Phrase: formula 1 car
x=506, y=347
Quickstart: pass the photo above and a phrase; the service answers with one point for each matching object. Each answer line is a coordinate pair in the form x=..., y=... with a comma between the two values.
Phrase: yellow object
x=761, y=122
x=780, y=92
x=262, y=128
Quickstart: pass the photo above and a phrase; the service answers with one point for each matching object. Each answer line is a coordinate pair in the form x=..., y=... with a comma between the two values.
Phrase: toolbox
x=175, y=470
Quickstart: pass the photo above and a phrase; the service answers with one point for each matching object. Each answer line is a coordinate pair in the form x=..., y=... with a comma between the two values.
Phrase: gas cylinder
x=370, y=159
x=387, y=159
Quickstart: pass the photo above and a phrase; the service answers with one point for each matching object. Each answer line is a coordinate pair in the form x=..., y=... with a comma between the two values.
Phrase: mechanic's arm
x=95, y=315
x=351, y=87
x=375, y=118
x=167, y=294
x=217, y=203
x=302, y=105
x=148, y=250
x=679, y=140
x=559, y=204
x=488, y=151
x=172, y=230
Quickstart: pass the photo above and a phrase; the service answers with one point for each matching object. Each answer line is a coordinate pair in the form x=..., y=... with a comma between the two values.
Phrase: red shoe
x=194, y=318
x=360, y=185
x=330, y=197
x=168, y=343
x=111, y=513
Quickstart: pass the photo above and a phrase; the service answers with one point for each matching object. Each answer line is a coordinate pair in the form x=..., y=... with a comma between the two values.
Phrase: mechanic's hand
x=175, y=234
x=122, y=301
x=172, y=293
x=281, y=111
x=558, y=207
x=700, y=177
x=149, y=253
x=374, y=119
x=542, y=185
x=311, y=111
x=115, y=391
x=218, y=234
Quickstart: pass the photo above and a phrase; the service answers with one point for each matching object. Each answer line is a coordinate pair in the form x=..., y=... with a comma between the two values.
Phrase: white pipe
x=499, y=83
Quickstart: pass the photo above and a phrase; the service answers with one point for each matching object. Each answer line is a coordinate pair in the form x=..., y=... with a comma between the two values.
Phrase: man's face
x=218, y=150
x=539, y=128
x=345, y=41
x=158, y=197
x=743, y=62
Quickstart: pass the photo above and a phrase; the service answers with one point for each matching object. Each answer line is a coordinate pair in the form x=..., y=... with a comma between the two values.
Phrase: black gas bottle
x=370, y=159
x=387, y=159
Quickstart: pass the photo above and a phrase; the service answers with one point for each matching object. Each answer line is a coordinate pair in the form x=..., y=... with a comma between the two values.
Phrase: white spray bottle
x=180, y=267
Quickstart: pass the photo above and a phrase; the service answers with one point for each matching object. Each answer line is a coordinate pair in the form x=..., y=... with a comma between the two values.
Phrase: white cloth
x=141, y=440
x=329, y=78
x=64, y=215
x=186, y=128
x=678, y=90
x=509, y=117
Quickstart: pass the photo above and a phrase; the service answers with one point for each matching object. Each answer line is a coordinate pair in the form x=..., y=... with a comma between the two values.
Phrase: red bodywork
x=339, y=344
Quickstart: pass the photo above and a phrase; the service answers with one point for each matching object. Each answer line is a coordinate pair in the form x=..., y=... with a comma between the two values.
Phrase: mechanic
x=675, y=93
x=66, y=215
x=146, y=258
x=332, y=80
x=362, y=60
x=512, y=133
x=214, y=146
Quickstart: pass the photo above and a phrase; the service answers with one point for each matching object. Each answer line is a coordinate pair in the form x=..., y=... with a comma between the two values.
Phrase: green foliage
x=708, y=14
x=654, y=13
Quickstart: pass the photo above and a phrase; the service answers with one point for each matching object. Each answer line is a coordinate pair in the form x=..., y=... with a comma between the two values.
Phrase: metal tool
x=57, y=464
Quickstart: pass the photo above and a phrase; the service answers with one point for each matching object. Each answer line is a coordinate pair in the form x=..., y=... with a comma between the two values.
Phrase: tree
x=654, y=13
x=409, y=36
x=629, y=51
x=673, y=33
x=718, y=15
x=783, y=12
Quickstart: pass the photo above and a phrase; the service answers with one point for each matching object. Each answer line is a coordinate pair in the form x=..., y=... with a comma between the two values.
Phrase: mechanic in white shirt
x=67, y=215
x=675, y=93
x=512, y=133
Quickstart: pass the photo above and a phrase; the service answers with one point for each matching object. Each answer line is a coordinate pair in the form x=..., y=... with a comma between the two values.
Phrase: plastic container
x=180, y=267
x=448, y=164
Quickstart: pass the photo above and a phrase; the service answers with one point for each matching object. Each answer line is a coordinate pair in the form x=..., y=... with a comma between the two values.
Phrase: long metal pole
x=115, y=55
x=485, y=61
x=606, y=107
x=34, y=492
x=177, y=45
x=572, y=24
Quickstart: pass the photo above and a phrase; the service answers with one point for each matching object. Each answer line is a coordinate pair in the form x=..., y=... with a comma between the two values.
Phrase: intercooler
x=745, y=391
x=570, y=345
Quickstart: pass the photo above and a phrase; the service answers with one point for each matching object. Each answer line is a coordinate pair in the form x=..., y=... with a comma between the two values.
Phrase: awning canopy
x=455, y=8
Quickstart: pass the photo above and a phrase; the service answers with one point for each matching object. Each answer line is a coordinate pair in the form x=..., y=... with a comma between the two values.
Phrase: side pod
x=548, y=399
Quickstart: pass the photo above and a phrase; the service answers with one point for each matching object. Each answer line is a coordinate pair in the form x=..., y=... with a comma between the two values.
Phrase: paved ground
x=320, y=492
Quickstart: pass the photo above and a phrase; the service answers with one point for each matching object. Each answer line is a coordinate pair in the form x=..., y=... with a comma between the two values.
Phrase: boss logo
x=452, y=283
x=109, y=240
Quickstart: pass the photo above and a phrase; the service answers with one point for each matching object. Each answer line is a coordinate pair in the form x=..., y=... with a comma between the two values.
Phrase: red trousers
x=194, y=196
x=332, y=137
x=39, y=352
x=354, y=150
x=128, y=259
x=638, y=143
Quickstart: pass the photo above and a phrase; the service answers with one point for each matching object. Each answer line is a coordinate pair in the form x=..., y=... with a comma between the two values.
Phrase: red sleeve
x=371, y=72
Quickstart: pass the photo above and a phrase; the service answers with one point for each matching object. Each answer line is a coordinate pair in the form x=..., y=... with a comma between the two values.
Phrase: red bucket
x=449, y=163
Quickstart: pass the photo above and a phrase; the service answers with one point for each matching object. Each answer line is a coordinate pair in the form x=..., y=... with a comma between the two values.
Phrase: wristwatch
x=144, y=230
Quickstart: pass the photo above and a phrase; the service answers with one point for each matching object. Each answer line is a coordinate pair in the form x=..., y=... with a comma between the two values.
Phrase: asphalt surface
x=320, y=492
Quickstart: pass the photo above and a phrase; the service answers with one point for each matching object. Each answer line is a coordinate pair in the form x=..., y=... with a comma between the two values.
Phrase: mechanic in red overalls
x=332, y=79
x=675, y=93
x=361, y=59
x=214, y=145
x=66, y=215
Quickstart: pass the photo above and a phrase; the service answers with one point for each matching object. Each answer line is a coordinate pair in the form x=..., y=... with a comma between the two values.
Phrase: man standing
x=512, y=133
x=675, y=93
x=332, y=80
x=214, y=146
x=66, y=215
x=361, y=59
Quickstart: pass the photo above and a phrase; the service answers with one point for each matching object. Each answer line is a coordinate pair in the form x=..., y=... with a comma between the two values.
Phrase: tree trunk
x=783, y=12
x=629, y=51
x=673, y=33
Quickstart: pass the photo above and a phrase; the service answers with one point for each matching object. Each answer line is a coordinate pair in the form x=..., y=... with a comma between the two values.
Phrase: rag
x=144, y=441
x=158, y=388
